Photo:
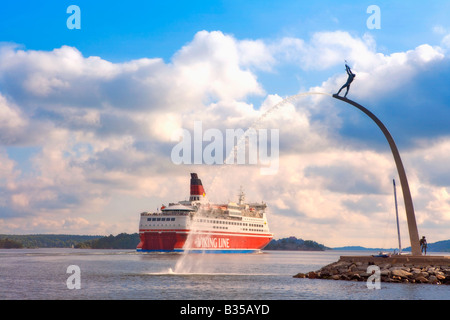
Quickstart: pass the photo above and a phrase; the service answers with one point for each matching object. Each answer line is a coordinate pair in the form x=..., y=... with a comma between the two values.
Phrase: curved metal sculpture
x=409, y=207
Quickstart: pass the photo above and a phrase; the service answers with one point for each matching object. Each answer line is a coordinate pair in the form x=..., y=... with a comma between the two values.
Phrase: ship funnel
x=197, y=191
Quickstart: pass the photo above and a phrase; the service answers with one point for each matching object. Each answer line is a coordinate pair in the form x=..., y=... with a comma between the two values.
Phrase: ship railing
x=166, y=213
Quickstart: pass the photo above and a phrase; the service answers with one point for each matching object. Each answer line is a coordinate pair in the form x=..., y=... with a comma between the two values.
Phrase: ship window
x=172, y=219
x=163, y=219
x=158, y=219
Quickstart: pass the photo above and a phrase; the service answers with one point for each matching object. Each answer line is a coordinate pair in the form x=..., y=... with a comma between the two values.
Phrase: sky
x=88, y=115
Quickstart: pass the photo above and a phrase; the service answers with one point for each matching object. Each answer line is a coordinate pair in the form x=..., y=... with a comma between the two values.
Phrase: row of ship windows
x=243, y=229
x=160, y=219
x=214, y=221
x=232, y=223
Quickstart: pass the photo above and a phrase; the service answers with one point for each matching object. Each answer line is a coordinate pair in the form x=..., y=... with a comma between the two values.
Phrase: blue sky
x=119, y=32
x=86, y=115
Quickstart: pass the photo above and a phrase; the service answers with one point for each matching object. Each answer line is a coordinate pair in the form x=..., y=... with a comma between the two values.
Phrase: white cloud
x=446, y=42
x=12, y=121
x=255, y=53
x=210, y=64
x=438, y=29
x=326, y=49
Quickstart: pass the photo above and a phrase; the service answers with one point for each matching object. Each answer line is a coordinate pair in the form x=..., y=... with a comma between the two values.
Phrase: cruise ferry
x=198, y=226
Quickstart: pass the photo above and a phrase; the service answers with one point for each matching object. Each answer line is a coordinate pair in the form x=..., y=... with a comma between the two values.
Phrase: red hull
x=171, y=240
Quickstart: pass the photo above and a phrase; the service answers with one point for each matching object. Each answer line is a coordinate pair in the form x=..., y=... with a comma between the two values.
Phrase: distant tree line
x=44, y=240
x=121, y=241
x=292, y=243
x=10, y=244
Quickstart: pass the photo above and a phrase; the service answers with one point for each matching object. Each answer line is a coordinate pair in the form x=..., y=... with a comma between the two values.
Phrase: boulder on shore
x=406, y=272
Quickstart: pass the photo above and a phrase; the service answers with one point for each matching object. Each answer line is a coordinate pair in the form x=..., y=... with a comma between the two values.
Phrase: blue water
x=27, y=274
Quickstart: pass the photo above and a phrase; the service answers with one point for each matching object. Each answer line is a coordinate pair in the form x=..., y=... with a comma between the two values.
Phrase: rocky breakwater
x=400, y=270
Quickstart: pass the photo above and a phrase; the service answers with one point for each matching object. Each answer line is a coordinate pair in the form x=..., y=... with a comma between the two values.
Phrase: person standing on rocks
x=423, y=244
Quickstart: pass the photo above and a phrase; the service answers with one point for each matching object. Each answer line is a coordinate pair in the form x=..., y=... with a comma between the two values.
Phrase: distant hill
x=439, y=246
x=43, y=240
x=6, y=243
x=292, y=243
x=359, y=248
x=121, y=241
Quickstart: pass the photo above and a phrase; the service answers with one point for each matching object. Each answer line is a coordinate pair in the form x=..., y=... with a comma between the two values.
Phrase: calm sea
x=36, y=274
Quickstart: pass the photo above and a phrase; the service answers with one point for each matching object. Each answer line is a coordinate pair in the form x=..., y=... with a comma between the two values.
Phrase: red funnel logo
x=196, y=186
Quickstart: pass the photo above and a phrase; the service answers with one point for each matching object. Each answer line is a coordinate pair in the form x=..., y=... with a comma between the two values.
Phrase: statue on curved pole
x=409, y=207
x=351, y=77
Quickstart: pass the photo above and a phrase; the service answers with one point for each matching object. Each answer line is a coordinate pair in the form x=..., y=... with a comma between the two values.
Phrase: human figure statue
x=350, y=78
x=423, y=244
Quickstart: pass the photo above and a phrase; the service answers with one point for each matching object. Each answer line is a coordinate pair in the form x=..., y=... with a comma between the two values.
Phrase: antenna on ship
x=241, y=196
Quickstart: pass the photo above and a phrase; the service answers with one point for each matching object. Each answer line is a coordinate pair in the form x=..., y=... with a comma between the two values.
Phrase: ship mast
x=241, y=196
